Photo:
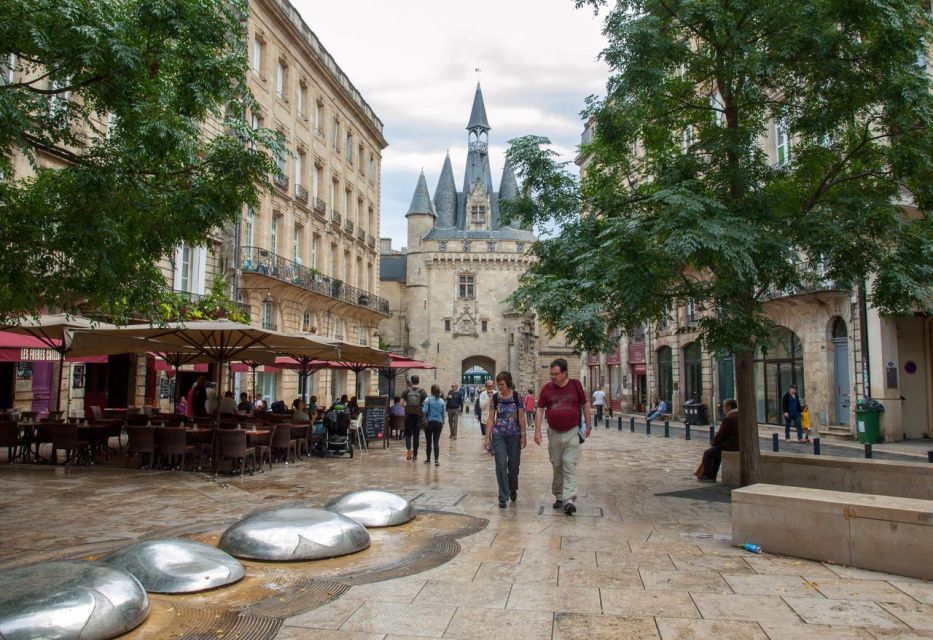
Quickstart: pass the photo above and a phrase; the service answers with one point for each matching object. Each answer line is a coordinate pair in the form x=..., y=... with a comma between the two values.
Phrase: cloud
x=414, y=63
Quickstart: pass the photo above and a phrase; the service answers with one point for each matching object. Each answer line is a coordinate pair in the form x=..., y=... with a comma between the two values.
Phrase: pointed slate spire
x=445, y=197
x=508, y=187
x=478, y=119
x=421, y=201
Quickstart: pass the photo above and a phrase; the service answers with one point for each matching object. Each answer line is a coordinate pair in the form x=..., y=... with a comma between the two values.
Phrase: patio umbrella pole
x=58, y=392
x=175, y=395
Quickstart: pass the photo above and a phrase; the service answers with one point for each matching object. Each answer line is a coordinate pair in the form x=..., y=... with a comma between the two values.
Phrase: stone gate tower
x=448, y=290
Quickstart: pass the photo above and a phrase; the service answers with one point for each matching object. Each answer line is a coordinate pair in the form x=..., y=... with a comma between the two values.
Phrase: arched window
x=776, y=368
x=693, y=372
x=665, y=375
x=839, y=328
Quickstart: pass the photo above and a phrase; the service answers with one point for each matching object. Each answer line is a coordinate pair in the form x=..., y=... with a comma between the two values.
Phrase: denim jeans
x=412, y=432
x=508, y=452
x=432, y=435
x=795, y=421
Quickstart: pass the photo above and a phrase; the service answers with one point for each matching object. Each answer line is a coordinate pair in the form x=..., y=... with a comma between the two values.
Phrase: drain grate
x=469, y=524
x=298, y=596
x=441, y=549
x=203, y=624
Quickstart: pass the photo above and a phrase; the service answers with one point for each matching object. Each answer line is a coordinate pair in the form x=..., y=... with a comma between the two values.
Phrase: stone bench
x=879, y=533
x=897, y=478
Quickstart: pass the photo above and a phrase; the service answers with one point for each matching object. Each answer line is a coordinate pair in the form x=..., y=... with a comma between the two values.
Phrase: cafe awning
x=23, y=348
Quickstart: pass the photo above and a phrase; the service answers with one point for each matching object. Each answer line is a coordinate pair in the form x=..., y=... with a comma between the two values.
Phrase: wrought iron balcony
x=301, y=194
x=195, y=298
x=280, y=180
x=319, y=205
x=335, y=217
x=348, y=225
x=264, y=262
x=371, y=241
x=361, y=235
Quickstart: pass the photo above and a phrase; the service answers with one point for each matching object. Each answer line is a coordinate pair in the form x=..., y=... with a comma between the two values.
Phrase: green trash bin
x=868, y=414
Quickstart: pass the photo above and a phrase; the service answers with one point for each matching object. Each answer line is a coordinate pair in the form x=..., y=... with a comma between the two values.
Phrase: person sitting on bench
x=726, y=439
x=658, y=411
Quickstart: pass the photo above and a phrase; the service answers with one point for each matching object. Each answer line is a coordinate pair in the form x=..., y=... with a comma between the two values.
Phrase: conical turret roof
x=478, y=113
x=508, y=187
x=445, y=196
x=421, y=200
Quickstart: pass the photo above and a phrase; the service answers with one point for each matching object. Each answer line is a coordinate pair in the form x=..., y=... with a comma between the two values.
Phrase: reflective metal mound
x=69, y=599
x=294, y=533
x=373, y=508
x=177, y=566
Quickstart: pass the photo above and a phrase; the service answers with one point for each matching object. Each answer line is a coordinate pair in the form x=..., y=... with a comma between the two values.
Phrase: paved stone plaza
x=648, y=554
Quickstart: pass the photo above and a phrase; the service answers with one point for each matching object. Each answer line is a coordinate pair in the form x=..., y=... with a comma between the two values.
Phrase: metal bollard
x=620, y=423
x=631, y=425
x=648, y=427
x=868, y=451
x=667, y=431
x=595, y=422
x=816, y=446
x=686, y=431
x=930, y=456
x=712, y=434
x=774, y=442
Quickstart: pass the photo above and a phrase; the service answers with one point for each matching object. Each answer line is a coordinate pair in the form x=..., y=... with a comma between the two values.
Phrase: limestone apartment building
x=305, y=260
x=448, y=288
x=819, y=344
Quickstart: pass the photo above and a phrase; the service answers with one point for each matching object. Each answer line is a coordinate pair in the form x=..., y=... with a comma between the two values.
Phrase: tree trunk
x=749, y=453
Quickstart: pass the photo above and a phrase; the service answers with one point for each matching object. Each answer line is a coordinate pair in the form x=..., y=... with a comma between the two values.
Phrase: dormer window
x=478, y=214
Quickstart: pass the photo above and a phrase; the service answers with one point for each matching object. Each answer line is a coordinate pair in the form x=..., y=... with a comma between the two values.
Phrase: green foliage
x=177, y=306
x=717, y=220
x=131, y=115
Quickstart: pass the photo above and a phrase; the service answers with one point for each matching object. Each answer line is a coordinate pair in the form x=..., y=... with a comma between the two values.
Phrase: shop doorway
x=841, y=370
x=775, y=370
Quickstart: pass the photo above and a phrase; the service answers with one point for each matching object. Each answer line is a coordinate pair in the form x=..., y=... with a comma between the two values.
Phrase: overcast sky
x=414, y=62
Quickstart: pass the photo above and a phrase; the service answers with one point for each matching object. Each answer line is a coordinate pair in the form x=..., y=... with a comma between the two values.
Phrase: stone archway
x=475, y=365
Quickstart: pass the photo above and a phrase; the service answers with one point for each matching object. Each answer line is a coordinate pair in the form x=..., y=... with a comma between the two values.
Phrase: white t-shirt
x=599, y=397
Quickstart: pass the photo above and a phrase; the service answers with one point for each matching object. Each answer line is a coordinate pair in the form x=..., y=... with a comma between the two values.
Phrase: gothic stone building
x=448, y=289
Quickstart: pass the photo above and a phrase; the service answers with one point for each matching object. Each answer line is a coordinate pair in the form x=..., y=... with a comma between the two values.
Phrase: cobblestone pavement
x=648, y=554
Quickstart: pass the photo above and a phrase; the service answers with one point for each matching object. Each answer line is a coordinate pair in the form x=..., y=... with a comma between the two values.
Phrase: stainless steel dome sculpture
x=176, y=566
x=69, y=599
x=294, y=533
x=373, y=508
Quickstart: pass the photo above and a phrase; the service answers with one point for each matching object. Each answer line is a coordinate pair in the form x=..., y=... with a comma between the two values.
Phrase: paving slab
x=672, y=629
x=514, y=624
x=573, y=626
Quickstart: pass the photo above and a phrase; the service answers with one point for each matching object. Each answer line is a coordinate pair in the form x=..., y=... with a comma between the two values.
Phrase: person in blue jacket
x=434, y=409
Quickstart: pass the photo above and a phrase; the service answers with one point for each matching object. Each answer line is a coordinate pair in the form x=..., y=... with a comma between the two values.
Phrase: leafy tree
x=130, y=114
x=689, y=203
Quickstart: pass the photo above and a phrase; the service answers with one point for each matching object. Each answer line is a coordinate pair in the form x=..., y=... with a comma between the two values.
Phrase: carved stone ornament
x=465, y=323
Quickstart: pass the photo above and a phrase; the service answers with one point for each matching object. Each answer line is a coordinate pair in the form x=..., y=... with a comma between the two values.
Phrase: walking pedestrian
x=506, y=436
x=792, y=408
x=726, y=439
x=484, y=400
x=454, y=409
x=434, y=408
x=562, y=399
x=414, y=398
x=529, y=408
x=599, y=402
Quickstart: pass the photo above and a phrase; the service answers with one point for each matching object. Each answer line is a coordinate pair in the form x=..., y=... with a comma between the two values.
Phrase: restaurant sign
x=37, y=355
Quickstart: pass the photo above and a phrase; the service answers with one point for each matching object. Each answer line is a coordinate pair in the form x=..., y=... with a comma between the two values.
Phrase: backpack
x=413, y=401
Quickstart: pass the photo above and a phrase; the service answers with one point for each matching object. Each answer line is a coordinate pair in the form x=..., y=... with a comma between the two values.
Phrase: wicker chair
x=282, y=440
x=231, y=444
x=140, y=440
x=301, y=434
x=172, y=445
x=263, y=446
x=77, y=451
x=397, y=426
x=10, y=438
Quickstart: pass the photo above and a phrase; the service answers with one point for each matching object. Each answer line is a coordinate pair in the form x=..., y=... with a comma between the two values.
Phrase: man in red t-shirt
x=563, y=399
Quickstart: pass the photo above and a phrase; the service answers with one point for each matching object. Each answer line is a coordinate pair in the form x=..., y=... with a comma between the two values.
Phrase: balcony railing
x=319, y=205
x=264, y=262
x=348, y=225
x=371, y=241
x=335, y=217
x=280, y=180
x=301, y=194
x=361, y=235
x=195, y=298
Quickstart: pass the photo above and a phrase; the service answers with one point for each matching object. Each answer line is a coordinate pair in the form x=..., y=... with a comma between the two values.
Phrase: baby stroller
x=336, y=439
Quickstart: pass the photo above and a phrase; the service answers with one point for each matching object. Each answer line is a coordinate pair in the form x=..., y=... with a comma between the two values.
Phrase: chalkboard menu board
x=375, y=414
